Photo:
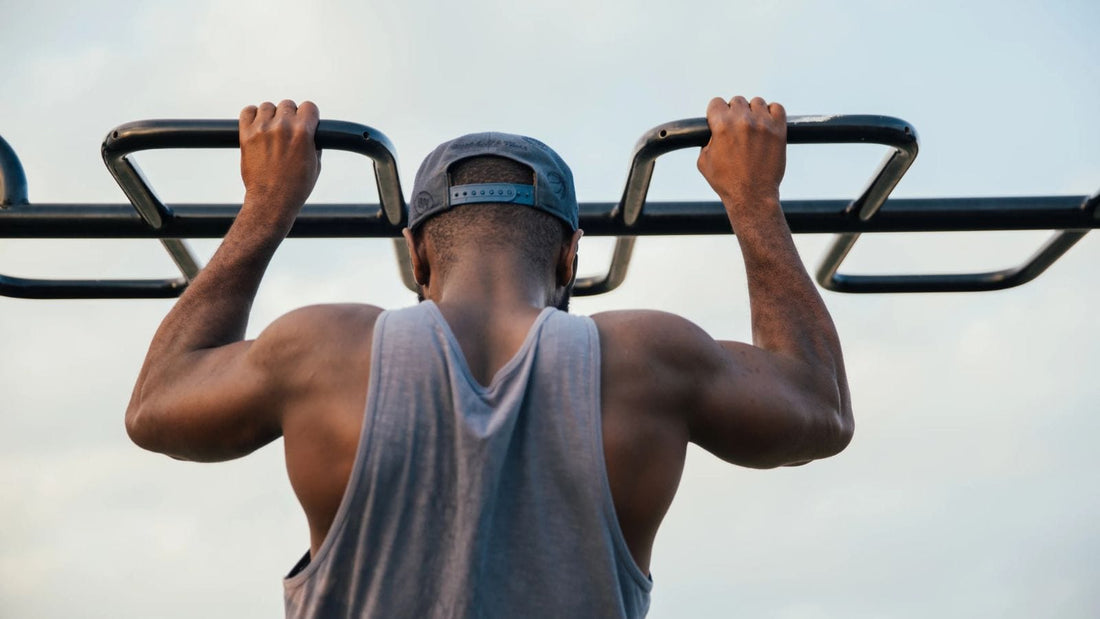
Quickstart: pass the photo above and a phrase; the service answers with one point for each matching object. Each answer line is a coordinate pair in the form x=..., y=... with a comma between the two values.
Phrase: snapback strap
x=492, y=192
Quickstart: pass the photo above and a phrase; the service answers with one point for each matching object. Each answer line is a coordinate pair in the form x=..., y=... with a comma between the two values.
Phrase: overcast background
x=970, y=488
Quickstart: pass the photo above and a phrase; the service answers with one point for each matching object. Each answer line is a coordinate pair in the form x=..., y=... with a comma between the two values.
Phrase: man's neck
x=491, y=283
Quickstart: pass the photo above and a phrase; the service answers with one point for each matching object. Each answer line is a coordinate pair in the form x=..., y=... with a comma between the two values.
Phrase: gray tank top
x=472, y=501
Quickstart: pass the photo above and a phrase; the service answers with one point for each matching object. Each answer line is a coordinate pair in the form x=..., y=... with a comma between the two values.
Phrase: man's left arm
x=203, y=393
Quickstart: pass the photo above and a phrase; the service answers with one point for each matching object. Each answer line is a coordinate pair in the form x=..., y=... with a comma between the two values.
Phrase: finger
x=309, y=112
x=286, y=107
x=758, y=105
x=715, y=111
x=248, y=114
x=716, y=106
x=266, y=111
x=778, y=112
x=738, y=102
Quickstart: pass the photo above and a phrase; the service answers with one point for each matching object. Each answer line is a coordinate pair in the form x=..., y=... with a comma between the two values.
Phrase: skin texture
x=205, y=394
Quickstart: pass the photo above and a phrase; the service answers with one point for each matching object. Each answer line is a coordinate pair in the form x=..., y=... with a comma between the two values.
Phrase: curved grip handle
x=140, y=135
x=161, y=134
x=843, y=129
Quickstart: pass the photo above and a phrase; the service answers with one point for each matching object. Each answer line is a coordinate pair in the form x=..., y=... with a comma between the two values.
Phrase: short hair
x=535, y=235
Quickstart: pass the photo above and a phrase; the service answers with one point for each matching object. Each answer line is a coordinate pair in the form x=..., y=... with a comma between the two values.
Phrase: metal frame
x=694, y=133
x=155, y=217
x=146, y=216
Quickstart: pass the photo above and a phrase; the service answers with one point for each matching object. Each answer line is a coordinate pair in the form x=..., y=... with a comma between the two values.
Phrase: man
x=482, y=454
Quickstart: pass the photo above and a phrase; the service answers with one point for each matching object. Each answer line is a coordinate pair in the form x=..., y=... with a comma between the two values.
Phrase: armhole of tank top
x=622, y=550
x=339, y=521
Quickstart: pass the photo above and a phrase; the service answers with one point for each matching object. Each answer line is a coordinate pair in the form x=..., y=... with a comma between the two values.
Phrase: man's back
x=493, y=497
x=493, y=237
x=644, y=437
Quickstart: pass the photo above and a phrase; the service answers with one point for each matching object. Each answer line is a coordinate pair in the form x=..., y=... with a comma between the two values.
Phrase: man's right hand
x=747, y=153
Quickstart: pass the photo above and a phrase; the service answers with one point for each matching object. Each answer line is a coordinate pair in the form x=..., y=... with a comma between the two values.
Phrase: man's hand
x=747, y=152
x=279, y=159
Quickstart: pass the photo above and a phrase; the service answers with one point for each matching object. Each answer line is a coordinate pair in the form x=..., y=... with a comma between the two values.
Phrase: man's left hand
x=279, y=160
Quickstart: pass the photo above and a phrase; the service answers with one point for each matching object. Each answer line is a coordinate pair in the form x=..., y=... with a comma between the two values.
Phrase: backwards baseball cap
x=551, y=193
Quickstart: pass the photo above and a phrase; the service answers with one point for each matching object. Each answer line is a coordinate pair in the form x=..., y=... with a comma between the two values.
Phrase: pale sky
x=969, y=488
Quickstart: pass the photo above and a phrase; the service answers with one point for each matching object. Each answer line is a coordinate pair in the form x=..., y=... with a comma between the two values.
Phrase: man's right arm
x=744, y=163
x=784, y=399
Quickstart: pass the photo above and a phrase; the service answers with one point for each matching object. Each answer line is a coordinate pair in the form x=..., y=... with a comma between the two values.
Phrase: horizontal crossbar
x=120, y=221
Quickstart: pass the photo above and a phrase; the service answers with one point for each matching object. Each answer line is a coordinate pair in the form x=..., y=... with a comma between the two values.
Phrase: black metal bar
x=616, y=272
x=20, y=288
x=129, y=138
x=176, y=134
x=148, y=217
x=1053, y=249
x=13, y=182
x=1041, y=260
x=694, y=132
x=119, y=221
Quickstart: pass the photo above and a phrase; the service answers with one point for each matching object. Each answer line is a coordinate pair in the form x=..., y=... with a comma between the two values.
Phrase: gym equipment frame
x=146, y=216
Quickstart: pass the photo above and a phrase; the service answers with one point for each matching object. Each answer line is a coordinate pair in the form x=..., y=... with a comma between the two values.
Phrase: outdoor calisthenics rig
x=146, y=216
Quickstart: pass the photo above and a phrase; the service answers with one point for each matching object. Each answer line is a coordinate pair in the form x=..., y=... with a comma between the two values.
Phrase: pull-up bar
x=146, y=216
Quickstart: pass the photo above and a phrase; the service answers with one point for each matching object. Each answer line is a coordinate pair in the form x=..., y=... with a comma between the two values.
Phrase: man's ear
x=418, y=255
x=567, y=259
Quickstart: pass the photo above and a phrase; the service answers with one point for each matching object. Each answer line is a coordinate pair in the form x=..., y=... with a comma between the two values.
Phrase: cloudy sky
x=969, y=490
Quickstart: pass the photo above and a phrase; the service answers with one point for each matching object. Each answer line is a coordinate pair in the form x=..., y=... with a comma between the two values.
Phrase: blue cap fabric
x=552, y=192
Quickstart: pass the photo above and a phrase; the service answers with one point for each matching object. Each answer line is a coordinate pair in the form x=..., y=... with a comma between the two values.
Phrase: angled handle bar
x=884, y=130
x=129, y=138
x=848, y=129
x=1053, y=249
x=132, y=137
x=694, y=132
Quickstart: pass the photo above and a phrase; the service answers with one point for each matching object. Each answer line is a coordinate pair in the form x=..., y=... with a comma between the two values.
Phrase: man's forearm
x=214, y=309
x=788, y=314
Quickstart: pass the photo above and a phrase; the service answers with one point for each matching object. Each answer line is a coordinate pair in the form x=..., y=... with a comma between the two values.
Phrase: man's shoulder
x=318, y=331
x=653, y=331
x=327, y=318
